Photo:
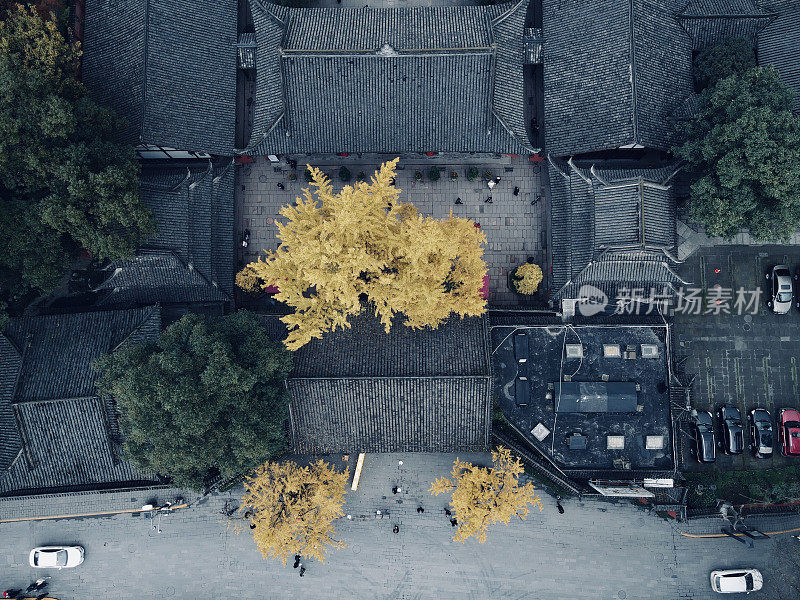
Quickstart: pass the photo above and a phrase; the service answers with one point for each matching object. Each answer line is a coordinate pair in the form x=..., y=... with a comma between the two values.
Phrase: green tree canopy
x=64, y=182
x=743, y=153
x=733, y=56
x=207, y=399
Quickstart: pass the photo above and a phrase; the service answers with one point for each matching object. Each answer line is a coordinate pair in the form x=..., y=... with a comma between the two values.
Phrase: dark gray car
x=705, y=445
x=730, y=420
x=761, y=440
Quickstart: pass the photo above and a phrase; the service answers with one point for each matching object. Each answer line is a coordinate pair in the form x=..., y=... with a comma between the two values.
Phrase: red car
x=789, y=425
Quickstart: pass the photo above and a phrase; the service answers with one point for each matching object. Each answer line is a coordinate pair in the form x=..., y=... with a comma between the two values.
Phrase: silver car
x=781, y=289
x=733, y=581
x=56, y=557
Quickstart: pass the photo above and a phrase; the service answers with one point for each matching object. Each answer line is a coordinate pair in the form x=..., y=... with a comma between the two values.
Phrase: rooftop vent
x=574, y=350
x=649, y=351
x=615, y=442
x=387, y=50
x=654, y=442
x=611, y=351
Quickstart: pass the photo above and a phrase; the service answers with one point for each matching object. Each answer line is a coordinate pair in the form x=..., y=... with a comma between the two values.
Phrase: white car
x=56, y=557
x=733, y=581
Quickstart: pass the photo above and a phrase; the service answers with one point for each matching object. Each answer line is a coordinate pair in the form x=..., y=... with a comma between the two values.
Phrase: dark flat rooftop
x=599, y=410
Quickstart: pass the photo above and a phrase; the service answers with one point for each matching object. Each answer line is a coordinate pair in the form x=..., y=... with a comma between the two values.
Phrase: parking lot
x=732, y=355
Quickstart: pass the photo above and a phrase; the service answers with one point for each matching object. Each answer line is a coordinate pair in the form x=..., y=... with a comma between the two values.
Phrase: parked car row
x=762, y=439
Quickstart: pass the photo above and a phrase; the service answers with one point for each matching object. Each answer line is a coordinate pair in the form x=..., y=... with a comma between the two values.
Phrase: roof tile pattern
x=604, y=62
x=68, y=445
x=58, y=350
x=65, y=435
x=389, y=79
x=10, y=440
x=708, y=22
x=405, y=391
x=611, y=225
x=190, y=257
x=365, y=350
x=168, y=68
x=389, y=415
x=778, y=46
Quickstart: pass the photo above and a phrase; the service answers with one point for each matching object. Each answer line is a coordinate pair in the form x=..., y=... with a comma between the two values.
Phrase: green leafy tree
x=743, y=153
x=733, y=56
x=63, y=180
x=206, y=400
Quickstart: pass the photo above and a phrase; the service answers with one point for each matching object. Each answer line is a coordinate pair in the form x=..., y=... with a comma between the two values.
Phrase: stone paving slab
x=596, y=550
x=515, y=229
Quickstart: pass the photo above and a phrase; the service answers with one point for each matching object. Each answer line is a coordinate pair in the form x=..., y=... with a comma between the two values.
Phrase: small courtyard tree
x=207, y=400
x=483, y=496
x=363, y=243
x=743, y=154
x=293, y=508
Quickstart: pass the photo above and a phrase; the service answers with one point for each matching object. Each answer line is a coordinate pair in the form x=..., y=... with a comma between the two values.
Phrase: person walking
x=396, y=529
x=302, y=570
x=296, y=561
x=558, y=505
x=458, y=201
x=453, y=521
x=281, y=186
x=516, y=191
x=447, y=512
x=488, y=200
x=420, y=510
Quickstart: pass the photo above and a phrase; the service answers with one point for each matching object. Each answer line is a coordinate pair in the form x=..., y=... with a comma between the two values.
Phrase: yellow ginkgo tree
x=483, y=496
x=337, y=249
x=293, y=508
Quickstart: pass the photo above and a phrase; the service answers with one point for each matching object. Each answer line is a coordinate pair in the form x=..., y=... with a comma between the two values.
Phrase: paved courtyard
x=749, y=360
x=515, y=229
x=596, y=550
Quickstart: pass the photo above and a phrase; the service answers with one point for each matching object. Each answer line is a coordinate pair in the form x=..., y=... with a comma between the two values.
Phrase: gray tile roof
x=10, y=365
x=604, y=73
x=168, y=68
x=611, y=225
x=708, y=22
x=363, y=389
x=68, y=446
x=58, y=350
x=389, y=79
x=56, y=434
x=778, y=45
x=190, y=258
x=455, y=348
x=390, y=414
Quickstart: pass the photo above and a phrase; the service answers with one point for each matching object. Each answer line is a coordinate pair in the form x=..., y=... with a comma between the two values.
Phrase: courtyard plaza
x=515, y=229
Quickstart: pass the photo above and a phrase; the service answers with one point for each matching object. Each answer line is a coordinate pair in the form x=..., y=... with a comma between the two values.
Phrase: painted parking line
x=765, y=362
x=724, y=535
x=794, y=376
x=709, y=380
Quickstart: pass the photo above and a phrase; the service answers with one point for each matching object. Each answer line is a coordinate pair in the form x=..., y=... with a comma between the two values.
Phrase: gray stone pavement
x=596, y=550
x=750, y=360
x=514, y=228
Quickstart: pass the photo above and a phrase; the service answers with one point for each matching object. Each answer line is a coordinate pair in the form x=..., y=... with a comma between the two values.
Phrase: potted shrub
x=472, y=173
x=418, y=175
x=361, y=176
x=308, y=175
x=434, y=174
x=525, y=279
x=344, y=174
x=453, y=176
x=292, y=176
x=488, y=175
